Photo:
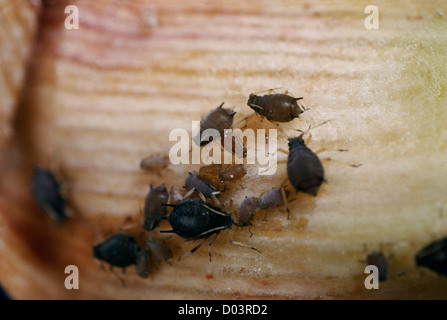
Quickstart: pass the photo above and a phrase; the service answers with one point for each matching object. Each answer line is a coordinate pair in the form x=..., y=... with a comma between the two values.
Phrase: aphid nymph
x=159, y=248
x=274, y=198
x=247, y=211
x=154, y=163
x=219, y=119
x=153, y=209
x=143, y=263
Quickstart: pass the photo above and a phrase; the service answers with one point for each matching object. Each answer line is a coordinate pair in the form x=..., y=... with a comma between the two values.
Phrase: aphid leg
x=189, y=193
x=281, y=131
x=306, y=132
x=354, y=165
x=167, y=231
x=284, y=199
x=212, y=210
x=241, y=244
x=270, y=91
x=301, y=105
x=265, y=215
x=232, y=207
x=170, y=195
x=123, y=282
x=102, y=266
x=249, y=230
x=192, y=250
x=211, y=243
x=213, y=196
x=244, y=120
x=255, y=106
x=311, y=127
x=201, y=196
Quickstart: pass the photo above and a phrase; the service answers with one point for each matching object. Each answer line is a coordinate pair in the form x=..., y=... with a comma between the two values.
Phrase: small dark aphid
x=159, y=248
x=47, y=193
x=274, y=198
x=434, y=257
x=232, y=172
x=153, y=209
x=120, y=250
x=275, y=107
x=247, y=211
x=379, y=260
x=211, y=173
x=195, y=182
x=235, y=146
x=219, y=119
x=144, y=263
x=304, y=168
x=154, y=163
x=219, y=174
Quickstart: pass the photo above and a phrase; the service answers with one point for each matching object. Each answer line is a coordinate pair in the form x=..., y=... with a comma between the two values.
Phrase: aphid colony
x=193, y=216
x=198, y=214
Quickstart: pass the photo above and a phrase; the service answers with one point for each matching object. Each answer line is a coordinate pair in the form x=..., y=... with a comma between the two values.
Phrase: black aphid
x=153, y=209
x=434, y=256
x=47, y=193
x=194, y=219
x=275, y=107
x=219, y=119
x=120, y=250
x=379, y=260
x=304, y=168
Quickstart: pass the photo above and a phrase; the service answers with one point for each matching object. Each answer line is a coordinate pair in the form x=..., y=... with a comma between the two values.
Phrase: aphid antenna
x=268, y=90
x=198, y=246
x=303, y=132
x=244, y=119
